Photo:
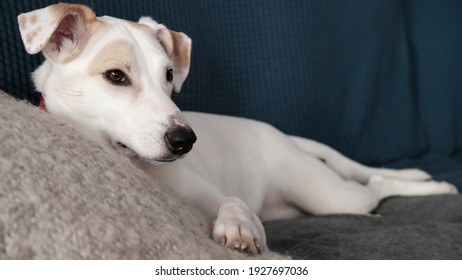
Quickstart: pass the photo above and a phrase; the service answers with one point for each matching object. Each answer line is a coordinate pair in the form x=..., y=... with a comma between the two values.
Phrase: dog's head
x=112, y=76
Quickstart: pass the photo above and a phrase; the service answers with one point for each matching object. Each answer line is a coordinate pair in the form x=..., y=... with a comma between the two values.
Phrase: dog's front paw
x=238, y=228
x=236, y=234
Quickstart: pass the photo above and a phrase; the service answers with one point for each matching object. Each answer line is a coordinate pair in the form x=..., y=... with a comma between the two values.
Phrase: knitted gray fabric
x=64, y=197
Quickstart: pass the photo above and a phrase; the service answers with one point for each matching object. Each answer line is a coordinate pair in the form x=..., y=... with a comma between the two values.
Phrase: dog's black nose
x=180, y=140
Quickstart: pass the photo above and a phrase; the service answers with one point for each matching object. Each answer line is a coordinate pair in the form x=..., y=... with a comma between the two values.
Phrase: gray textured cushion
x=63, y=197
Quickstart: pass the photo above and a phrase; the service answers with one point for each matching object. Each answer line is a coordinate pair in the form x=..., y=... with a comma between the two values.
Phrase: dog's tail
x=350, y=169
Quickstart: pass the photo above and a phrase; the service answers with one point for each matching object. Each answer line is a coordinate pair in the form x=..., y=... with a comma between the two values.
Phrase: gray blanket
x=404, y=228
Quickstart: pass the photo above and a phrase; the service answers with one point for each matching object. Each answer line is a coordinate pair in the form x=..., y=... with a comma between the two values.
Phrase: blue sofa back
x=379, y=80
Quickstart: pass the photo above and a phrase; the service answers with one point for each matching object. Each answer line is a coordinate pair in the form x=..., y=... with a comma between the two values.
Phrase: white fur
x=239, y=169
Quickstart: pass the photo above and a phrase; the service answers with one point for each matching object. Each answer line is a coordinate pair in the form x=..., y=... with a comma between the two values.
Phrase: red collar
x=42, y=104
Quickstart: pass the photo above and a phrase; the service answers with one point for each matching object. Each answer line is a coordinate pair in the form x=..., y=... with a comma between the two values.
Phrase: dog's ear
x=56, y=29
x=178, y=47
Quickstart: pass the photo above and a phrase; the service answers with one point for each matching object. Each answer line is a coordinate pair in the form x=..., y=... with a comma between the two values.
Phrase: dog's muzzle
x=180, y=140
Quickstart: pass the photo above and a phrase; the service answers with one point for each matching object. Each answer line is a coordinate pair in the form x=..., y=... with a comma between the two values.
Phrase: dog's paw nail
x=223, y=241
x=244, y=246
x=257, y=244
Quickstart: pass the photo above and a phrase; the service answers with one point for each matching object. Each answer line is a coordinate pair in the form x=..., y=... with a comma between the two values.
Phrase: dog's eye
x=169, y=75
x=116, y=77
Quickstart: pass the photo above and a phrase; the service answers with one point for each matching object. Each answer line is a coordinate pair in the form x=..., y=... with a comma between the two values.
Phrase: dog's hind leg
x=353, y=170
x=385, y=187
x=309, y=184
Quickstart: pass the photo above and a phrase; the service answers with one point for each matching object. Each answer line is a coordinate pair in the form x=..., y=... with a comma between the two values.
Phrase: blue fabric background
x=379, y=80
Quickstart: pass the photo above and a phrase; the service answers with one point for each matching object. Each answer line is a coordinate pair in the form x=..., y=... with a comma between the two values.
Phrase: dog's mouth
x=131, y=153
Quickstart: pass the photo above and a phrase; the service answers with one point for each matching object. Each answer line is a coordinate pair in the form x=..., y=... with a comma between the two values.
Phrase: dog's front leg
x=234, y=225
x=237, y=227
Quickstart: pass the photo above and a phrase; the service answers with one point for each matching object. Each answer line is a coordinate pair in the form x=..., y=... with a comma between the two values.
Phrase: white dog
x=113, y=78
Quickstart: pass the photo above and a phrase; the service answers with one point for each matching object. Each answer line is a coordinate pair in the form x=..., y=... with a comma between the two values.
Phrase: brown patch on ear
x=22, y=23
x=181, y=49
x=178, y=47
x=74, y=21
x=175, y=46
x=33, y=19
x=30, y=36
x=46, y=29
x=63, y=9
x=166, y=41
